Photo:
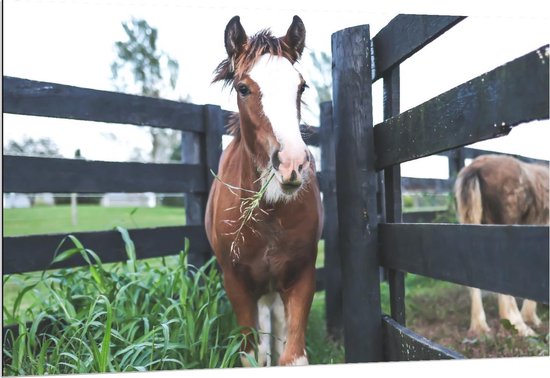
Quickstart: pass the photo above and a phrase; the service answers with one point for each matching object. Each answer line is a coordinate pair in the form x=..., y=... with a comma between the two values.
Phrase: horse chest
x=274, y=254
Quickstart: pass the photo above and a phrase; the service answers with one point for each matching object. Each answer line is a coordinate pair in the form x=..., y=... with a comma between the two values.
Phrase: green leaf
x=509, y=326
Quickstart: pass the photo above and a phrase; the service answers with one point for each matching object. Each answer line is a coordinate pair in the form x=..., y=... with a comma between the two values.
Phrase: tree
x=33, y=147
x=320, y=81
x=139, y=68
x=322, y=75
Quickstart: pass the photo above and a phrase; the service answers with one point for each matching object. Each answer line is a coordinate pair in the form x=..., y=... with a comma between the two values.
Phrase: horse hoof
x=524, y=330
x=479, y=330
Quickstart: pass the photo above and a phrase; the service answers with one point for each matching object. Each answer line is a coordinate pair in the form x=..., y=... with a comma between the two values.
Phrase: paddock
x=360, y=165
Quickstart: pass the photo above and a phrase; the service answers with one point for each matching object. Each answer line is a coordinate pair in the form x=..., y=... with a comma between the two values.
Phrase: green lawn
x=57, y=219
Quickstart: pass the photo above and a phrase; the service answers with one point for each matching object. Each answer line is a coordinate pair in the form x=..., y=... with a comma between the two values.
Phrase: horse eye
x=243, y=89
x=302, y=88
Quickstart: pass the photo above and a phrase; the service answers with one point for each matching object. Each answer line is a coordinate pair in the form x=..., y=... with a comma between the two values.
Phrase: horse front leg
x=246, y=311
x=297, y=301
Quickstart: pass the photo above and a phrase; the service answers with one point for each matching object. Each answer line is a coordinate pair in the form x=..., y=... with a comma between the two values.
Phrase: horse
x=500, y=189
x=264, y=213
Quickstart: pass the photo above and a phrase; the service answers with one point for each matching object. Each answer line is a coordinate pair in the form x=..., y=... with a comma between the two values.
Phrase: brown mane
x=233, y=127
x=259, y=44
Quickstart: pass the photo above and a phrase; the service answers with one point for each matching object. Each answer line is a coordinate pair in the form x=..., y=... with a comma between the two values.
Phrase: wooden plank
x=426, y=184
x=405, y=35
x=38, y=98
x=402, y=344
x=213, y=127
x=508, y=259
x=211, y=149
x=320, y=279
x=24, y=174
x=356, y=194
x=333, y=275
x=423, y=216
x=483, y=108
x=392, y=196
x=192, y=150
x=35, y=252
x=310, y=135
x=455, y=163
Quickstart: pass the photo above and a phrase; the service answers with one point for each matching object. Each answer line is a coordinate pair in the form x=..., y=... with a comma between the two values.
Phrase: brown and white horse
x=266, y=248
x=497, y=189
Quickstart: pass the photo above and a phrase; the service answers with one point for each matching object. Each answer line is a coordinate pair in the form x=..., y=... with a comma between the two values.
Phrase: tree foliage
x=33, y=147
x=139, y=57
x=322, y=75
x=141, y=68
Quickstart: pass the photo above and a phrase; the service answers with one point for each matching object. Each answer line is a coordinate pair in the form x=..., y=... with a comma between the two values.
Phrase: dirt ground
x=444, y=317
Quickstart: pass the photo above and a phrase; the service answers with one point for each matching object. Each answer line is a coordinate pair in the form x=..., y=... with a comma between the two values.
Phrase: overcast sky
x=71, y=42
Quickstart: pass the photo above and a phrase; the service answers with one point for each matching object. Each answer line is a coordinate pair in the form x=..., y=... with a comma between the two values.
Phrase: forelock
x=259, y=44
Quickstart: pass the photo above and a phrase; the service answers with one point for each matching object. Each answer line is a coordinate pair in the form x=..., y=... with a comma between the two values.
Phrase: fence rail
x=370, y=229
x=24, y=174
x=483, y=108
x=29, y=97
x=404, y=36
x=503, y=259
x=36, y=252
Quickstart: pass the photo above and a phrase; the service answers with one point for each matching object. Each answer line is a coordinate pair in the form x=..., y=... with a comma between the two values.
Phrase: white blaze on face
x=279, y=81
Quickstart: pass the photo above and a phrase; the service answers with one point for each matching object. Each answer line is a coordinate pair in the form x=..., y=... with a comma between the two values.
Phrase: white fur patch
x=264, y=329
x=272, y=329
x=275, y=194
x=279, y=325
x=300, y=361
x=279, y=81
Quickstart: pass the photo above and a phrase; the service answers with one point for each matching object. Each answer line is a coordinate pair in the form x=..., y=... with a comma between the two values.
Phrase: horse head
x=269, y=89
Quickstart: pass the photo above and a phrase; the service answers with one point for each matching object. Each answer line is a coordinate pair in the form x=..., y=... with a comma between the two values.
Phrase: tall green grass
x=132, y=316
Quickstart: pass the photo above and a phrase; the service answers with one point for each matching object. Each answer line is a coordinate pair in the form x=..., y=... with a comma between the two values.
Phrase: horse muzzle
x=290, y=169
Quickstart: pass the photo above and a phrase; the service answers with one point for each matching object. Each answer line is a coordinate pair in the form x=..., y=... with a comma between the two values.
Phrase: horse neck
x=247, y=151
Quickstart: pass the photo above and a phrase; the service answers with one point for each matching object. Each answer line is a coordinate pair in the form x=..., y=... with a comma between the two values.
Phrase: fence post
x=206, y=150
x=356, y=194
x=456, y=162
x=333, y=276
x=392, y=191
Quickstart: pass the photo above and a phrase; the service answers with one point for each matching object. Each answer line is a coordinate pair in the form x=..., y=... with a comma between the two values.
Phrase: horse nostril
x=293, y=175
x=275, y=160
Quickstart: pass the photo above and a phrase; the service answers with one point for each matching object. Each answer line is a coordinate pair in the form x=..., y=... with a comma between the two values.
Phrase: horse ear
x=295, y=37
x=235, y=37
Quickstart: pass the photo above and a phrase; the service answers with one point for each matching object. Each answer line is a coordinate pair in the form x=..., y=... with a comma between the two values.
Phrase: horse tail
x=468, y=197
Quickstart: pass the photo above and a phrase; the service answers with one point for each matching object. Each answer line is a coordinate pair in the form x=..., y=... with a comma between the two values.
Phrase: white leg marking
x=279, y=326
x=508, y=309
x=478, y=322
x=529, y=312
x=244, y=360
x=264, y=328
x=300, y=361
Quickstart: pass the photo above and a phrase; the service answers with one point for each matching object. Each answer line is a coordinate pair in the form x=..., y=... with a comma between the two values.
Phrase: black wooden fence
x=202, y=127
x=361, y=188
x=35, y=174
x=506, y=259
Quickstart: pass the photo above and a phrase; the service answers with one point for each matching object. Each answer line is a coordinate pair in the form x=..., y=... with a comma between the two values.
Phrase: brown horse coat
x=268, y=255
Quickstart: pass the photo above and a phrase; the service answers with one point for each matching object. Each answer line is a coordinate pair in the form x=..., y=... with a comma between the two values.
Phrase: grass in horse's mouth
x=247, y=207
